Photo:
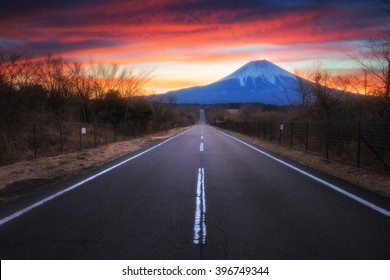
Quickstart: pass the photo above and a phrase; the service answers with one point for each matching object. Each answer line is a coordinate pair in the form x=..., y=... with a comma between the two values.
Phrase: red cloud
x=168, y=30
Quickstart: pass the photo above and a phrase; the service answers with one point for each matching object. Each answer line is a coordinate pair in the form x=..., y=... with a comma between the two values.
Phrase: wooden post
x=105, y=134
x=358, y=143
x=307, y=136
x=61, y=139
x=35, y=142
x=280, y=133
x=94, y=135
x=80, y=135
x=327, y=139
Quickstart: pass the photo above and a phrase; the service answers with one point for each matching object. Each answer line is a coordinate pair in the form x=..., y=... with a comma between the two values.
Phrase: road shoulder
x=26, y=177
x=363, y=178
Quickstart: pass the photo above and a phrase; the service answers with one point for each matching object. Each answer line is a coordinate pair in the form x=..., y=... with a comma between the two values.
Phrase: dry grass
x=58, y=167
x=62, y=166
x=359, y=176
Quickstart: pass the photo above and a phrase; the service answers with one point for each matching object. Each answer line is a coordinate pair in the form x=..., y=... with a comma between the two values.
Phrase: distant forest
x=50, y=91
x=36, y=89
x=326, y=95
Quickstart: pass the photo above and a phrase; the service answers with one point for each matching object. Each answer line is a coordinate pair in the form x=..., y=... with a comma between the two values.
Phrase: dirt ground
x=26, y=176
x=362, y=177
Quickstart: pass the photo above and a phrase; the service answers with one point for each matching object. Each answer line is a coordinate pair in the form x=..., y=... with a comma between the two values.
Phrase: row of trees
x=327, y=95
x=50, y=90
x=361, y=94
x=38, y=89
x=68, y=90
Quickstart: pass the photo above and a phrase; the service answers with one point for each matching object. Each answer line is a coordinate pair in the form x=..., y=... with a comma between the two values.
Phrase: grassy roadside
x=26, y=176
x=365, y=178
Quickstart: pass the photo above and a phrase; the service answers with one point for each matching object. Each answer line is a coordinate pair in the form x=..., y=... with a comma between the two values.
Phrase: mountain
x=257, y=81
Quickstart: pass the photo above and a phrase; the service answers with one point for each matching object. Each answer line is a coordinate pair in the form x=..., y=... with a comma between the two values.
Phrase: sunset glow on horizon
x=190, y=43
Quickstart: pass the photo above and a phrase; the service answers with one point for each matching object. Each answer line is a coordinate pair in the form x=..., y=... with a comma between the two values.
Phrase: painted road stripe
x=200, y=211
x=330, y=185
x=201, y=147
x=43, y=201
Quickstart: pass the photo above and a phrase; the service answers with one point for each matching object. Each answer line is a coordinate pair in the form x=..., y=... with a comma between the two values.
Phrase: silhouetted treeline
x=319, y=101
x=345, y=106
x=326, y=95
x=51, y=90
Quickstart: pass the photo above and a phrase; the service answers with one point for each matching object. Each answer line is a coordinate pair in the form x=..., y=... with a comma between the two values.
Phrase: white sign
x=83, y=130
x=281, y=126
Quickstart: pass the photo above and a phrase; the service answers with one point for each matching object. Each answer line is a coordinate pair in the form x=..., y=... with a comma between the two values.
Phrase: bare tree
x=18, y=72
x=374, y=58
x=55, y=77
x=249, y=112
x=134, y=84
x=304, y=87
x=162, y=106
x=105, y=78
x=83, y=87
x=11, y=70
x=319, y=89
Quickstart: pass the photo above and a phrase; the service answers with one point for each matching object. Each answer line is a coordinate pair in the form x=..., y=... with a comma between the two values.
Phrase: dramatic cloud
x=170, y=31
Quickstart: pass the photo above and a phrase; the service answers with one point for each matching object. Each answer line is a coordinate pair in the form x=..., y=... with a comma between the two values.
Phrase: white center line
x=201, y=147
x=200, y=210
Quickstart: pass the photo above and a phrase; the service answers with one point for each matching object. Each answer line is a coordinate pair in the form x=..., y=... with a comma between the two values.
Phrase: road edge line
x=315, y=178
x=76, y=185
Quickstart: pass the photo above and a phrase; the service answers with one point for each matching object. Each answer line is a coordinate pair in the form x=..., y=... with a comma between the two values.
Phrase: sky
x=189, y=43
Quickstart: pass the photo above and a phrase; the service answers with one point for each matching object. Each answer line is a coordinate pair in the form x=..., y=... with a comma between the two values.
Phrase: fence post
x=291, y=135
x=61, y=139
x=358, y=144
x=327, y=140
x=94, y=134
x=280, y=133
x=35, y=142
x=80, y=135
x=105, y=134
x=307, y=136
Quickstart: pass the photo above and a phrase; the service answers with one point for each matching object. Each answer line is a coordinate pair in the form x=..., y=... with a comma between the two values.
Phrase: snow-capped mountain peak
x=258, y=69
x=257, y=81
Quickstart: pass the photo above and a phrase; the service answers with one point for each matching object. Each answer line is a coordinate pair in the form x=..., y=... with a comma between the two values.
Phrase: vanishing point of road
x=199, y=195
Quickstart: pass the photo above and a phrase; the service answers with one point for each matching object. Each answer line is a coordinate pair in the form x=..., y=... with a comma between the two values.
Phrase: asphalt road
x=200, y=195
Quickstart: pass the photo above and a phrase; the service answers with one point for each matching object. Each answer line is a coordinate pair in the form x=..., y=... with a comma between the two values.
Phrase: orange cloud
x=162, y=31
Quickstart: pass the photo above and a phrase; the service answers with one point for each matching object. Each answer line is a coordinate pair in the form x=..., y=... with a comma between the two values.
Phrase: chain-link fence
x=364, y=144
